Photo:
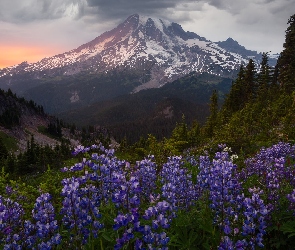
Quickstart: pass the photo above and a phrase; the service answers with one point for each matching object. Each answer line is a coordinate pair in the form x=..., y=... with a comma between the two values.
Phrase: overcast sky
x=33, y=29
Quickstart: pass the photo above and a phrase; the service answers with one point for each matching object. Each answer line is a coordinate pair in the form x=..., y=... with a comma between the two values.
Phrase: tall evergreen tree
x=233, y=101
x=31, y=151
x=286, y=61
x=264, y=77
x=3, y=150
x=180, y=132
x=249, y=82
x=212, y=119
x=194, y=134
x=10, y=164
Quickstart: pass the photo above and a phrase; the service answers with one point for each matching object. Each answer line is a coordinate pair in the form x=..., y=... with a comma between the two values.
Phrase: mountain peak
x=134, y=19
x=233, y=46
x=158, y=46
x=230, y=40
x=143, y=19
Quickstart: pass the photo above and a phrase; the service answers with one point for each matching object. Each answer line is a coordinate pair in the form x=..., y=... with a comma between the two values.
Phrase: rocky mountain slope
x=159, y=48
x=21, y=119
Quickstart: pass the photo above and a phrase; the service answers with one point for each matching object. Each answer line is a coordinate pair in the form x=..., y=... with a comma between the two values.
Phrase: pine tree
x=31, y=151
x=286, y=61
x=212, y=119
x=10, y=164
x=233, y=101
x=274, y=85
x=179, y=133
x=249, y=83
x=194, y=134
x=72, y=129
x=124, y=144
x=263, y=78
x=3, y=150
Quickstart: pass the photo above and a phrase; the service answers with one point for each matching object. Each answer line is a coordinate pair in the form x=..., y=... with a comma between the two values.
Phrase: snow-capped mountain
x=160, y=47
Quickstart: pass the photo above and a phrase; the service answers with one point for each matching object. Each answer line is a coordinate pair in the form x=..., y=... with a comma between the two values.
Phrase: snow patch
x=75, y=97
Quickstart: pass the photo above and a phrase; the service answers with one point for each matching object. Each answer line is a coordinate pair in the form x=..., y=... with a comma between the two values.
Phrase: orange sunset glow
x=12, y=55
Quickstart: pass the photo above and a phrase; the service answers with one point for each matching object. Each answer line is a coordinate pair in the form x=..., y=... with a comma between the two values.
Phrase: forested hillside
x=258, y=110
x=153, y=111
x=31, y=140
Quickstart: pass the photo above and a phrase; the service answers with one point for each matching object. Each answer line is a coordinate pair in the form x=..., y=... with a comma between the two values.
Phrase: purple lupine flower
x=147, y=175
x=178, y=188
x=291, y=198
x=46, y=226
x=126, y=197
x=11, y=214
x=219, y=178
x=80, y=208
x=159, y=215
x=226, y=244
x=254, y=224
x=273, y=168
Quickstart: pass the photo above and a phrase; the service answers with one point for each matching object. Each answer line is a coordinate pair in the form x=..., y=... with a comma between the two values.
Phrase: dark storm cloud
x=114, y=9
x=15, y=11
x=254, y=22
x=255, y=10
x=153, y=4
x=33, y=10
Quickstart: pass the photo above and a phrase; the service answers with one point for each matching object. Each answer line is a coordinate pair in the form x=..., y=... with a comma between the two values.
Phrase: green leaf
x=288, y=228
x=106, y=237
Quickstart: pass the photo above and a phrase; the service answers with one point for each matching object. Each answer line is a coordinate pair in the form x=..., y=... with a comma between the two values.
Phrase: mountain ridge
x=153, y=111
x=160, y=47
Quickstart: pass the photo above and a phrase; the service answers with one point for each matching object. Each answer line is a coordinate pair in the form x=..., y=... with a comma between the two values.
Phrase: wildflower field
x=204, y=202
